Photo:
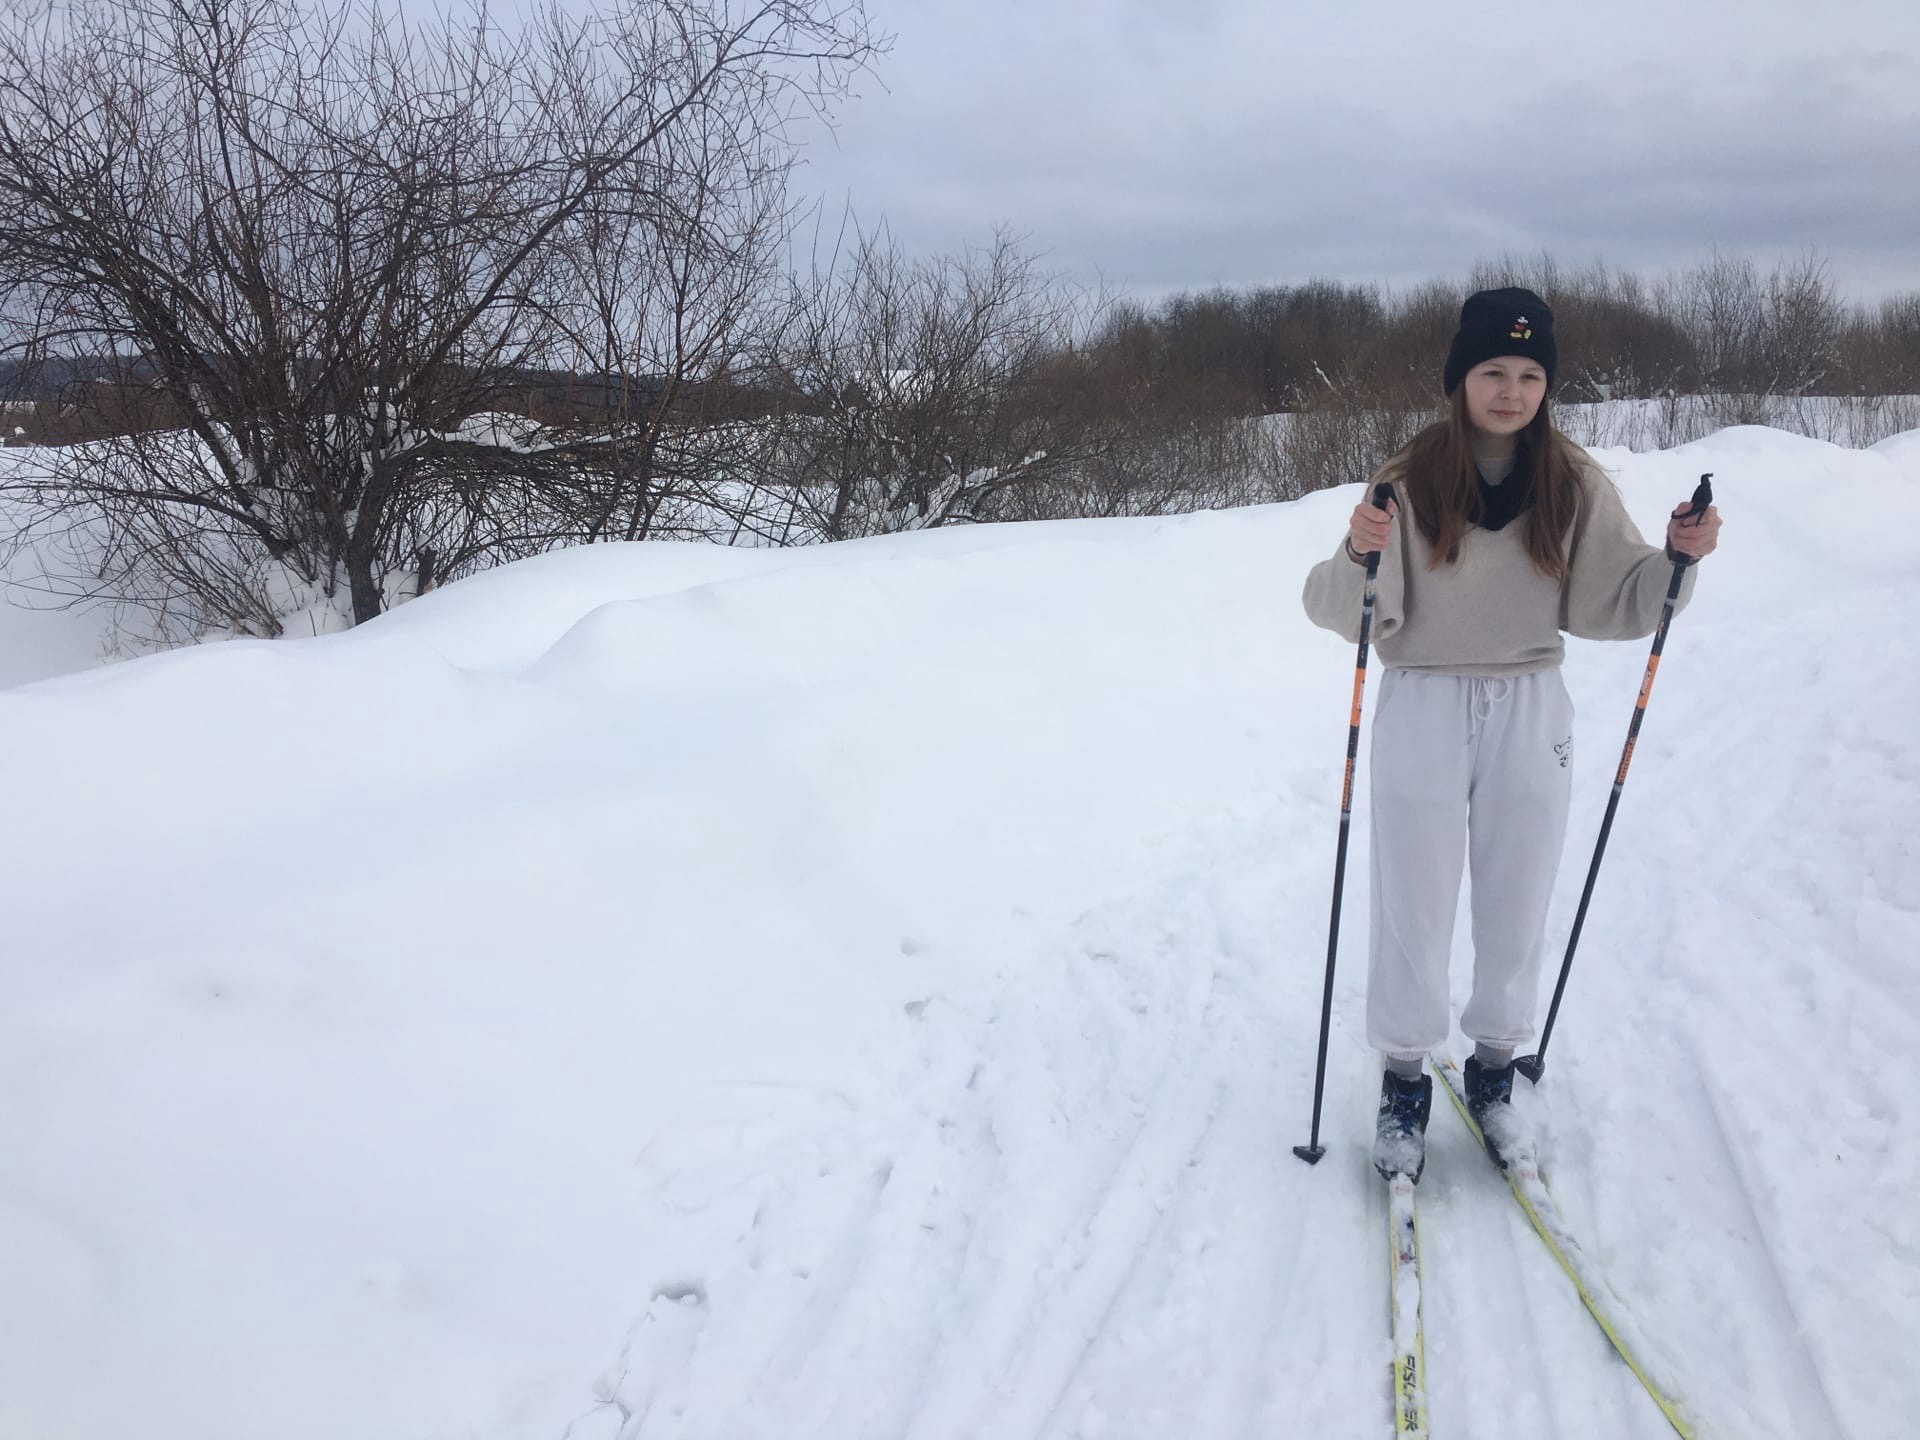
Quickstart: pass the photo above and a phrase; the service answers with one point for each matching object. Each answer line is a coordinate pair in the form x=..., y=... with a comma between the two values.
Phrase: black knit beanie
x=1501, y=322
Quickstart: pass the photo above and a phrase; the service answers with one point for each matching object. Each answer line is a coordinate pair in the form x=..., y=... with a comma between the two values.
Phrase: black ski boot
x=1400, y=1133
x=1490, y=1102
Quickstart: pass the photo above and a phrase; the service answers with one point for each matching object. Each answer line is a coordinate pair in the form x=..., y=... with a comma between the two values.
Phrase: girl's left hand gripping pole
x=1313, y=1150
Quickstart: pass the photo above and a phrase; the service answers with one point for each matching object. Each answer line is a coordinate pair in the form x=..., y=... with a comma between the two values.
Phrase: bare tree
x=1720, y=305
x=332, y=244
x=1800, y=333
x=929, y=390
x=677, y=277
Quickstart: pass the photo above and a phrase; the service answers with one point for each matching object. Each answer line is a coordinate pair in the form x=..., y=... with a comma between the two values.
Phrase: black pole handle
x=1702, y=498
x=1381, y=498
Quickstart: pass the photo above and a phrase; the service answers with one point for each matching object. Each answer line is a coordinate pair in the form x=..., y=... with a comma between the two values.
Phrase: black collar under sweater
x=1500, y=503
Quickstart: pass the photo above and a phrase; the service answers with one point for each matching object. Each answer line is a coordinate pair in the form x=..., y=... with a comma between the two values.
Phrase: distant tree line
x=305, y=299
x=1722, y=326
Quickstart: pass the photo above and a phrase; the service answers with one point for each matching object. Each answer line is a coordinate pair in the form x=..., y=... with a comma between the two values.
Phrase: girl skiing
x=1516, y=535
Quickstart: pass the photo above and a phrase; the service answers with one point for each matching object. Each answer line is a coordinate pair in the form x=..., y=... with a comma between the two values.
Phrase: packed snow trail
x=1127, y=1249
x=1527, y=1185
x=872, y=992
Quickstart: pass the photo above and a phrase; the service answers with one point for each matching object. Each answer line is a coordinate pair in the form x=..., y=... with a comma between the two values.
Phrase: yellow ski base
x=1523, y=1177
x=1409, y=1352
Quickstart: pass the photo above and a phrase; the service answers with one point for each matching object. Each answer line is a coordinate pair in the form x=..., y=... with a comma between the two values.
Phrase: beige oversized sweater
x=1491, y=612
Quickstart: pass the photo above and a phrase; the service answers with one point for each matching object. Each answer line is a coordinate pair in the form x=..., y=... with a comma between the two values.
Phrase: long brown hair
x=1443, y=486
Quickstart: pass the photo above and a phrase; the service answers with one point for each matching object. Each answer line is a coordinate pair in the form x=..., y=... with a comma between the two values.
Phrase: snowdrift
x=870, y=991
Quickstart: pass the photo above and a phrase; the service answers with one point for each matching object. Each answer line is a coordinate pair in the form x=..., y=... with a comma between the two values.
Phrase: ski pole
x=1534, y=1065
x=1313, y=1149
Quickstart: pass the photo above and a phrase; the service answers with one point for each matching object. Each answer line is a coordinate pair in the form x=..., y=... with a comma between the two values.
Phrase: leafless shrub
x=1341, y=439
x=924, y=393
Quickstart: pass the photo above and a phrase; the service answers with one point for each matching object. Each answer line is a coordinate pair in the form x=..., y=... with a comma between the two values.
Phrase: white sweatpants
x=1464, y=768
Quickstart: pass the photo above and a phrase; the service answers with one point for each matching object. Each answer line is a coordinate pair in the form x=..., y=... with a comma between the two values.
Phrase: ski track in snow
x=1041, y=1248
x=1810, y=1407
x=1517, y=1351
x=1053, y=1268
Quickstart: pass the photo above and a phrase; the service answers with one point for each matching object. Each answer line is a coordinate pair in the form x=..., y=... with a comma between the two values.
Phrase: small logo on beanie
x=1521, y=330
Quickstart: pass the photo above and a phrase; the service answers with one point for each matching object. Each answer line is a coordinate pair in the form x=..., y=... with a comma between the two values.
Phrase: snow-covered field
x=870, y=991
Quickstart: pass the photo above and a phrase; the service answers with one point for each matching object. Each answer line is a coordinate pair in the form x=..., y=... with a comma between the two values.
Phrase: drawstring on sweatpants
x=1482, y=697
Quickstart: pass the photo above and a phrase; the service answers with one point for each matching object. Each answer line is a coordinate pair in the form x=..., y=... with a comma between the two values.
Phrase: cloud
x=1232, y=148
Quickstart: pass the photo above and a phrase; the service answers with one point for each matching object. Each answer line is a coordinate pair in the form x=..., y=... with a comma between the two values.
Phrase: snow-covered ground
x=42, y=631
x=870, y=991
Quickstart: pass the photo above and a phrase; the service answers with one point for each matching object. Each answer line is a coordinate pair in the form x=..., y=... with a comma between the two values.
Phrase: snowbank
x=870, y=991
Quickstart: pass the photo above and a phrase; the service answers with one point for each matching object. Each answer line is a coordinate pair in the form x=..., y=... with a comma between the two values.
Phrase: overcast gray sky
x=1188, y=143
